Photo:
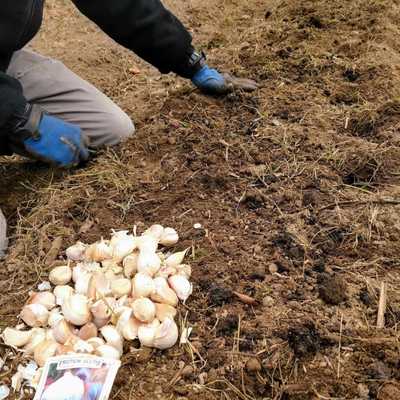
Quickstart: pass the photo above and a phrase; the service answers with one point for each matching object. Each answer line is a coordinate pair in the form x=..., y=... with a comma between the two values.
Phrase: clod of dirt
x=366, y=297
x=379, y=370
x=304, y=340
x=219, y=296
x=332, y=289
x=351, y=75
x=253, y=365
x=389, y=392
x=258, y=273
x=228, y=326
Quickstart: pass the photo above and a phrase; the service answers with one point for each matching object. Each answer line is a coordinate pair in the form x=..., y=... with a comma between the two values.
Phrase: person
x=50, y=114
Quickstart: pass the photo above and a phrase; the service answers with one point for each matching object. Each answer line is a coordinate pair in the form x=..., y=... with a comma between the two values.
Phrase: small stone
x=363, y=391
x=253, y=365
x=273, y=268
x=268, y=301
x=197, y=226
x=232, y=238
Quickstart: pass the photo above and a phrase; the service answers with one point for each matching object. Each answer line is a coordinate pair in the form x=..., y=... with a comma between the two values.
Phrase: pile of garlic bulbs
x=113, y=290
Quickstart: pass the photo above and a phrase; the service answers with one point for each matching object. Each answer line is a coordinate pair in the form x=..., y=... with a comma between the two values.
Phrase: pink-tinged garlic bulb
x=181, y=286
x=99, y=251
x=123, y=244
x=144, y=310
x=148, y=263
x=166, y=335
x=155, y=230
x=88, y=331
x=76, y=252
x=35, y=315
x=62, y=331
x=60, y=275
x=45, y=350
x=164, y=311
x=46, y=299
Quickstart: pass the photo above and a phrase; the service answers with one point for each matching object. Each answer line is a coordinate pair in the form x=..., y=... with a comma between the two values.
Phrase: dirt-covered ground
x=297, y=187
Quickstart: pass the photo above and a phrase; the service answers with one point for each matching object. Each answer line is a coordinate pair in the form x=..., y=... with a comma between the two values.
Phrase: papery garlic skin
x=62, y=292
x=76, y=309
x=130, y=264
x=175, y=259
x=62, y=331
x=169, y=237
x=16, y=338
x=38, y=336
x=181, y=286
x=147, y=244
x=121, y=287
x=99, y=252
x=99, y=286
x=60, y=275
x=144, y=310
x=108, y=351
x=35, y=315
x=184, y=270
x=85, y=268
x=166, y=335
x=164, y=311
x=43, y=351
x=76, y=252
x=95, y=342
x=46, y=299
x=128, y=326
x=143, y=285
x=54, y=317
x=82, y=283
x=112, y=337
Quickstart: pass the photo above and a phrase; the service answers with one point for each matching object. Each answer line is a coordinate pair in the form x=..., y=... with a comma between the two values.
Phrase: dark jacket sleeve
x=147, y=28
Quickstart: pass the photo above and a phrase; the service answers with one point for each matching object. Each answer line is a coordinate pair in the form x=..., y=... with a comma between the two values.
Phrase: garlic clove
x=95, y=342
x=99, y=252
x=164, y=311
x=175, y=259
x=62, y=331
x=103, y=309
x=169, y=237
x=166, y=272
x=130, y=264
x=88, y=331
x=108, y=351
x=62, y=292
x=181, y=286
x=123, y=244
x=121, y=287
x=76, y=309
x=148, y=263
x=60, y=275
x=184, y=270
x=82, y=283
x=83, y=347
x=54, y=317
x=50, y=335
x=147, y=244
x=84, y=268
x=166, y=335
x=112, y=337
x=99, y=286
x=155, y=230
x=16, y=338
x=146, y=335
x=128, y=326
x=76, y=252
x=144, y=310
x=64, y=350
x=44, y=350
x=163, y=293
x=35, y=315
x=143, y=285
x=38, y=336
x=46, y=299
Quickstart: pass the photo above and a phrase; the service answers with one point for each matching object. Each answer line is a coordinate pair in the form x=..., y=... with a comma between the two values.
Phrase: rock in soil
x=332, y=289
x=228, y=326
x=253, y=365
x=304, y=340
x=219, y=296
x=389, y=392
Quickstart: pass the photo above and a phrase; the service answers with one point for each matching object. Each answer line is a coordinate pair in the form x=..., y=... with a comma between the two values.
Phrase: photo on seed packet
x=77, y=378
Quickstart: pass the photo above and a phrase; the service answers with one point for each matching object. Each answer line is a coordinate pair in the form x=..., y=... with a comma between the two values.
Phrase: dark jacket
x=143, y=26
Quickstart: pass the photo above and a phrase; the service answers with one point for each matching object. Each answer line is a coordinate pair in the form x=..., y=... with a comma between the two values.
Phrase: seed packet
x=77, y=377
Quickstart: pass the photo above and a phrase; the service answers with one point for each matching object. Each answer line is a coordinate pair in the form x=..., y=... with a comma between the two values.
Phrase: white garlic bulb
x=163, y=293
x=46, y=299
x=54, y=317
x=82, y=283
x=121, y=287
x=123, y=244
x=181, y=286
x=35, y=315
x=76, y=252
x=148, y=263
x=43, y=351
x=81, y=346
x=88, y=331
x=147, y=244
x=99, y=286
x=164, y=311
x=175, y=259
x=169, y=237
x=60, y=275
x=166, y=335
x=62, y=331
x=184, y=270
x=143, y=285
x=16, y=338
x=130, y=264
x=155, y=231
x=128, y=326
x=62, y=292
x=165, y=272
x=38, y=336
x=84, y=268
x=112, y=337
x=102, y=311
x=108, y=351
x=99, y=251
x=147, y=333
x=76, y=309
x=144, y=310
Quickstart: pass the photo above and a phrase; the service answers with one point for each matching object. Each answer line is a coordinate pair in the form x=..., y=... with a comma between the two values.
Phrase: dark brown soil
x=297, y=181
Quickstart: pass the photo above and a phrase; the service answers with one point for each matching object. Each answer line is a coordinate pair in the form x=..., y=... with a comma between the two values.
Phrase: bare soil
x=296, y=186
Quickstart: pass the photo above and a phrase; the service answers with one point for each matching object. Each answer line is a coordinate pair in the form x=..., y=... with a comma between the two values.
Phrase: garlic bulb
x=169, y=237
x=148, y=263
x=164, y=311
x=155, y=231
x=43, y=351
x=35, y=315
x=181, y=286
x=144, y=310
x=55, y=316
x=16, y=338
x=76, y=252
x=62, y=331
x=60, y=275
x=76, y=309
x=38, y=336
x=99, y=286
x=50, y=335
x=163, y=293
x=81, y=346
x=121, y=287
x=166, y=335
x=108, y=352
x=184, y=270
x=111, y=265
x=102, y=311
x=84, y=268
x=143, y=285
x=82, y=283
x=175, y=259
x=165, y=272
x=88, y=331
x=99, y=251
x=128, y=326
x=123, y=244
x=112, y=337
x=46, y=299
x=61, y=292
x=130, y=264
x=95, y=342
x=147, y=244
x=147, y=333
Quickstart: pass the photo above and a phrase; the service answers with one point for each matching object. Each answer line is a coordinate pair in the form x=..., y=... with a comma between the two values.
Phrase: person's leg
x=63, y=94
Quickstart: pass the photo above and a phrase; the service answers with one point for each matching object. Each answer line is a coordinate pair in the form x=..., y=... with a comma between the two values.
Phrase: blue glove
x=57, y=142
x=210, y=81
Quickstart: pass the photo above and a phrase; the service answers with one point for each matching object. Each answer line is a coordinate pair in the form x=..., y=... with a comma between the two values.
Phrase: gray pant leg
x=63, y=94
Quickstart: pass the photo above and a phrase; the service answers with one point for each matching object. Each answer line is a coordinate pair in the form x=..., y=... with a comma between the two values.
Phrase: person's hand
x=57, y=142
x=210, y=81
